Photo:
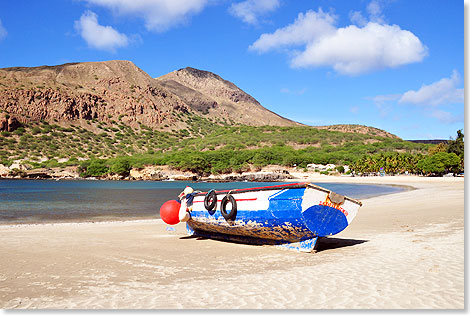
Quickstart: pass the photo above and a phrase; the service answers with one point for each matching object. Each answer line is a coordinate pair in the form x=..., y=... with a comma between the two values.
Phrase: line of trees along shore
x=440, y=159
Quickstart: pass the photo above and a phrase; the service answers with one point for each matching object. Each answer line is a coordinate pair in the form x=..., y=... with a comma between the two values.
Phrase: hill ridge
x=118, y=90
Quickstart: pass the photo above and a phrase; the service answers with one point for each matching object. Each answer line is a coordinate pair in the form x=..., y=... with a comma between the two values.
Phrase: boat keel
x=305, y=246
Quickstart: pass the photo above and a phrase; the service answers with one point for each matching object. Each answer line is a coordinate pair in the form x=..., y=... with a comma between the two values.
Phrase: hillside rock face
x=107, y=91
x=211, y=95
x=8, y=123
x=113, y=90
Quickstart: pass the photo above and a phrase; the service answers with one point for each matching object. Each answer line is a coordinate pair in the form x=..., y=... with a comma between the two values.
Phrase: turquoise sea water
x=33, y=201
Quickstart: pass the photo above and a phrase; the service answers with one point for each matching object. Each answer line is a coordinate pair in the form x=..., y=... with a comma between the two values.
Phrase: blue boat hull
x=293, y=215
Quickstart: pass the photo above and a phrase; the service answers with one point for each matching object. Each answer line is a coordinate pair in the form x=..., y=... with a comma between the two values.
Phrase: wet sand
x=403, y=250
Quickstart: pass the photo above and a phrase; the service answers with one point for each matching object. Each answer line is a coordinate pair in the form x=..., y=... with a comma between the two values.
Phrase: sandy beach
x=403, y=251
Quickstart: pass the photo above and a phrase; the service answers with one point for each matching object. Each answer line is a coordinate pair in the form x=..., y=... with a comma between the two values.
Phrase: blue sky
x=397, y=65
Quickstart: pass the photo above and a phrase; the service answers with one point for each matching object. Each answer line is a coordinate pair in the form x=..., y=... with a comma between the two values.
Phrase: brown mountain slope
x=112, y=90
x=106, y=91
x=213, y=96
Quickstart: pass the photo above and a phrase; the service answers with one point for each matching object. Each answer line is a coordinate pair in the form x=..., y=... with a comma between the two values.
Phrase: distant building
x=320, y=167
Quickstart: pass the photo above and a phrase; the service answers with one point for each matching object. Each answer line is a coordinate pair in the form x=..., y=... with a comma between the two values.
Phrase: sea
x=51, y=201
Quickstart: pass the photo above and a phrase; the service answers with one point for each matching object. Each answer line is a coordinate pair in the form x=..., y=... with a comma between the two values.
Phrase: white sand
x=403, y=250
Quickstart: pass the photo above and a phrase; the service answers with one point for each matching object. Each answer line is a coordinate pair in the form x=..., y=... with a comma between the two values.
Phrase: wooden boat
x=293, y=215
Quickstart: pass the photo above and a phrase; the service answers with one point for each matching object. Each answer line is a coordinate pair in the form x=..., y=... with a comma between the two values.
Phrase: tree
x=457, y=146
x=439, y=163
x=440, y=147
x=120, y=166
x=94, y=167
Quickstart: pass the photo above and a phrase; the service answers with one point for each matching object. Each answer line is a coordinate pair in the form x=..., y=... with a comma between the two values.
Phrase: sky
x=397, y=65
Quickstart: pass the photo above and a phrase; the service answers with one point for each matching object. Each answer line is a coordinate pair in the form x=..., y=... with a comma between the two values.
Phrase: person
x=186, y=197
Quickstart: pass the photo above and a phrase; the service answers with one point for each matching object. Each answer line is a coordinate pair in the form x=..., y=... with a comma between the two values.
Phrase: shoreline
x=97, y=218
x=270, y=173
x=403, y=251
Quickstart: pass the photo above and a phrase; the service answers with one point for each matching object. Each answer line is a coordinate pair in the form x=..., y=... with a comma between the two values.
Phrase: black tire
x=210, y=201
x=223, y=205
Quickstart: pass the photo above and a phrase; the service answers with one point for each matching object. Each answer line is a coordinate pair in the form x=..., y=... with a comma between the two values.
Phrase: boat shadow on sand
x=324, y=243
x=327, y=243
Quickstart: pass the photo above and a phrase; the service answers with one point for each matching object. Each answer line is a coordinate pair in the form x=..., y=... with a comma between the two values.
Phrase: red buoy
x=169, y=212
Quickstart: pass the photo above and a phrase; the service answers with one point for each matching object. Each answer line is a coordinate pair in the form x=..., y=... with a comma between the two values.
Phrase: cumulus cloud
x=306, y=28
x=159, y=15
x=442, y=92
x=99, y=36
x=350, y=50
x=3, y=31
x=432, y=99
x=250, y=10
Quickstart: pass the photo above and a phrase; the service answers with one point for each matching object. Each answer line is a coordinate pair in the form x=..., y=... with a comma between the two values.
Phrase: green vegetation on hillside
x=214, y=147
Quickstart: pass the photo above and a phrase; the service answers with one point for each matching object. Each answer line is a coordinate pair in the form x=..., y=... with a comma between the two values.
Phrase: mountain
x=118, y=91
x=209, y=94
x=75, y=92
x=112, y=90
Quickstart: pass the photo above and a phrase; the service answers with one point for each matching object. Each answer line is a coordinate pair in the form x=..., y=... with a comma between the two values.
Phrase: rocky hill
x=75, y=92
x=119, y=90
x=365, y=130
x=213, y=96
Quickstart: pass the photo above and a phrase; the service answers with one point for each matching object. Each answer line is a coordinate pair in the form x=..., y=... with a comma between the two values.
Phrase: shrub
x=120, y=166
x=340, y=169
x=93, y=167
x=36, y=130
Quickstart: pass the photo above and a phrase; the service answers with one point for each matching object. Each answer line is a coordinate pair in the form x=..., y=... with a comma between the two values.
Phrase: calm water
x=31, y=201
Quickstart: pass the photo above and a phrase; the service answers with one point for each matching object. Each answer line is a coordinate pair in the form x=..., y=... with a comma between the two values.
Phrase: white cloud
x=442, y=92
x=374, y=8
x=159, y=15
x=357, y=18
x=431, y=99
x=350, y=50
x=3, y=31
x=306, y=28
x=250, y=10
x=98, y=36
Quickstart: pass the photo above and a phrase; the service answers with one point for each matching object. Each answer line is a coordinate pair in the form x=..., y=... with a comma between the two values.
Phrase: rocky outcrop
x=8, y=123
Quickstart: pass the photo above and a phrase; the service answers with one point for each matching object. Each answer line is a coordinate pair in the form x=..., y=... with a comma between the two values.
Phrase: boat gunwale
x=277, y=187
